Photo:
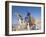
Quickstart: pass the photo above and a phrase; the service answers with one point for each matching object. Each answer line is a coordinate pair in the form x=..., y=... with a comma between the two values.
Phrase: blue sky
x=23, y=10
